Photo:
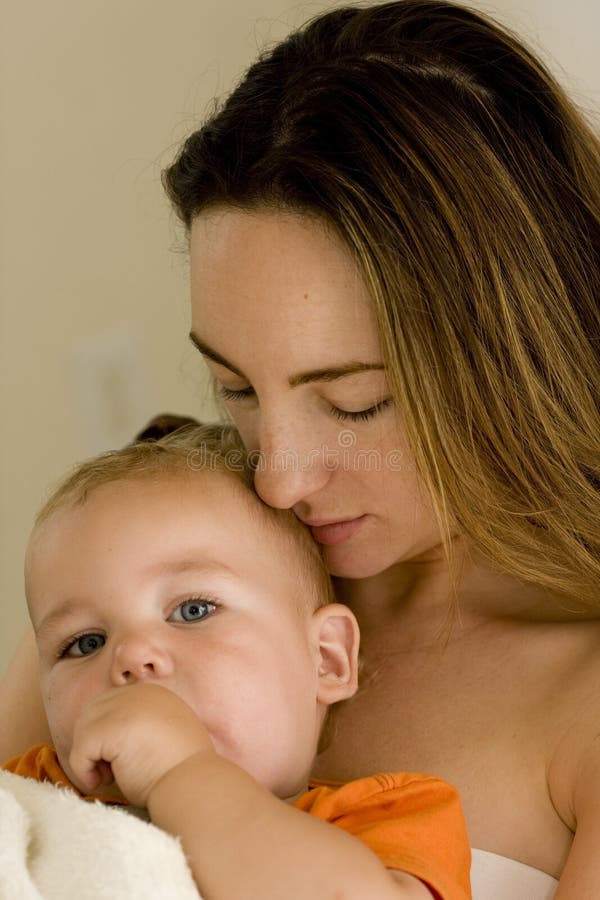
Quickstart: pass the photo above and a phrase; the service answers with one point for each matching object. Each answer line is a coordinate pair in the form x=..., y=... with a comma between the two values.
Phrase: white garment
x=495, y=877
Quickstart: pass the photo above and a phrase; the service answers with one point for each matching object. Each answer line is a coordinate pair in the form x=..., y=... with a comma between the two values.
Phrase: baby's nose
x=140, y=659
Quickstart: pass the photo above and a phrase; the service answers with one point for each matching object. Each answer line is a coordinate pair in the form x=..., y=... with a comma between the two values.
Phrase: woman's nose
x=140, y=658
x=288, y=470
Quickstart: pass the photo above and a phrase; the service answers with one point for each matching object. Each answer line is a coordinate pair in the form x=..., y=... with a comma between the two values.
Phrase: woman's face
x=285, y=324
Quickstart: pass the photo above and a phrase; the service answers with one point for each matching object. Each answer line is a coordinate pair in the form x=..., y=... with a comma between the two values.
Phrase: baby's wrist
x=180, y=780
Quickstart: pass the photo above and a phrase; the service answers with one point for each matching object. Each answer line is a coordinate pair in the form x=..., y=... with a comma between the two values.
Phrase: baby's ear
x=336, y=631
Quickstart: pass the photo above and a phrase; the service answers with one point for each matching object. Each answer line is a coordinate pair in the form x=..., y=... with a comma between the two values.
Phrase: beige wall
x=564, y=33
x=96, y=96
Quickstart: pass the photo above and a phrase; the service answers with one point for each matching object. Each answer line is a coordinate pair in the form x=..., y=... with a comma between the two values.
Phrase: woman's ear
x=335, y=631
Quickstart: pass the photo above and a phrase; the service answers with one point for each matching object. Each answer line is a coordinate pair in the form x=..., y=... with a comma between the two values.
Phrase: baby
x=190, y=648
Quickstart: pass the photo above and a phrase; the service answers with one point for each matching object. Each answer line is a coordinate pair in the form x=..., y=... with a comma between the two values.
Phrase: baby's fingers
x=105, y=772
x=89, y=774
x=87, y=763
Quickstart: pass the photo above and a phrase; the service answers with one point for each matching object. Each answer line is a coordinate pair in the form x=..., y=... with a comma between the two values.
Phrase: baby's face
x=184, y=582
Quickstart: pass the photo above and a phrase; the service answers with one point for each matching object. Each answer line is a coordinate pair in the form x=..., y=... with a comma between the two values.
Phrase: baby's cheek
x=61, y=718
x=62, y=738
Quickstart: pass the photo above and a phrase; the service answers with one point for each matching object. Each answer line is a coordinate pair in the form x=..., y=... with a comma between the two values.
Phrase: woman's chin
x=353, y=563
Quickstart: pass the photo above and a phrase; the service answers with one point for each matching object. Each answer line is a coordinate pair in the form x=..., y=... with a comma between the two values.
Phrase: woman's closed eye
x=194, y=610
x=342, y=415
x=229, y=394
x=361, y=415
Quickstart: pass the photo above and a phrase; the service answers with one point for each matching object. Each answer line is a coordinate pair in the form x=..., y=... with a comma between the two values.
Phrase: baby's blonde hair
x=192, y=449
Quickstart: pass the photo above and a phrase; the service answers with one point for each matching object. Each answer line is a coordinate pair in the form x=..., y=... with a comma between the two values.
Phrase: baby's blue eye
x=84, y=645
x=192, y=611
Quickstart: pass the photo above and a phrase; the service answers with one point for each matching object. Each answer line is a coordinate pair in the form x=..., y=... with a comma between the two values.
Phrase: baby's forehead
x=209, y=516
x=223, y=497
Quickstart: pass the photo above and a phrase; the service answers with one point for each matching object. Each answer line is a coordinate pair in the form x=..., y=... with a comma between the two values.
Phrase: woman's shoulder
x=574, y=764
x=573, y=772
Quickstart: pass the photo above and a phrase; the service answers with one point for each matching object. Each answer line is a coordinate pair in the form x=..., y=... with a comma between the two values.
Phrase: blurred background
x=95, y=98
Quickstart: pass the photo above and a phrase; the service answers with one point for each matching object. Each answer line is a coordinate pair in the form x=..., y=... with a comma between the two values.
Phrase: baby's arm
x=21, y=710
x=240, y=840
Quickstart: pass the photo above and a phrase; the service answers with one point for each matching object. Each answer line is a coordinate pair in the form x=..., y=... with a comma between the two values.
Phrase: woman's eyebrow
x=331, y=373
x=207, y=351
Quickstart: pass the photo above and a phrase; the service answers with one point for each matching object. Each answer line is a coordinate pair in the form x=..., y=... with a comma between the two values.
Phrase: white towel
x=55, y=846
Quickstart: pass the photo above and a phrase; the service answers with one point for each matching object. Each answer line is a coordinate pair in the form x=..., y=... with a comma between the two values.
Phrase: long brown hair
x=468, y=186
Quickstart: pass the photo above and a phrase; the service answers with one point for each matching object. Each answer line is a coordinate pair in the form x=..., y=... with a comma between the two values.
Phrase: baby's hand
x=141, y=731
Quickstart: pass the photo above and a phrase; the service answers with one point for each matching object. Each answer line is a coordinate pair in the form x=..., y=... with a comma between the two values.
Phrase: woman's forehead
x=258, y=275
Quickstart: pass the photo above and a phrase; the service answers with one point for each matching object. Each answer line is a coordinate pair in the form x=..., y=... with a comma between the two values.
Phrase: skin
x=314, y=313
x=244, y=639
x=514, y=685
x=165, y=640
x=154, y=604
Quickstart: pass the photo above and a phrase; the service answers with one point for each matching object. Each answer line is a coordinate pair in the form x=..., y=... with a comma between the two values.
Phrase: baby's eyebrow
x=50, y=621
x=331, y=373
x=165, y=567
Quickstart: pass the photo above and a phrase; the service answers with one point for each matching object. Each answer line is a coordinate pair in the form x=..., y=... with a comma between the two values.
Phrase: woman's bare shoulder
x=574, y=772
x=576, y=754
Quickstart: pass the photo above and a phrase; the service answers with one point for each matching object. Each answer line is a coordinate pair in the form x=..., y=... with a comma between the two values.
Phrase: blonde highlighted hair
x=467, y=184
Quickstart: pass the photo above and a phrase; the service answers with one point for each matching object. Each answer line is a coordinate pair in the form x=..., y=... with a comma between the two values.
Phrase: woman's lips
x=336, y=532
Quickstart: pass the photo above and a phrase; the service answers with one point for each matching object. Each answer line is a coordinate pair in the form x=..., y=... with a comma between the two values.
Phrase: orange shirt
x=41, y=763
x=412, y=822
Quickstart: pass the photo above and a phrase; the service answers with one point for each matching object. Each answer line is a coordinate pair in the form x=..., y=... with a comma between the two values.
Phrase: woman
x=395, y=234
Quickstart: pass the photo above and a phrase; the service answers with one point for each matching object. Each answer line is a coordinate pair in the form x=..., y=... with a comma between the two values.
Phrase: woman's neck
x=418, y=595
